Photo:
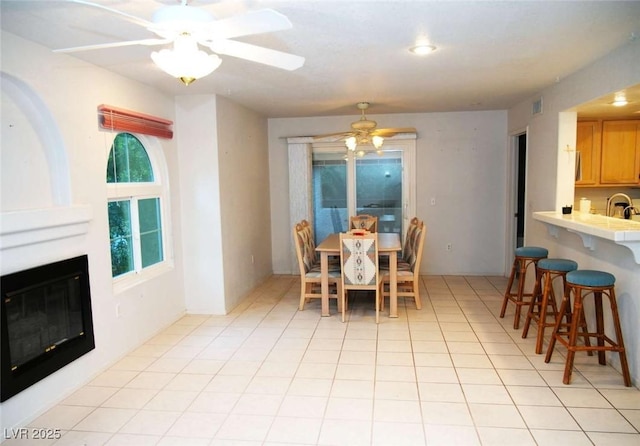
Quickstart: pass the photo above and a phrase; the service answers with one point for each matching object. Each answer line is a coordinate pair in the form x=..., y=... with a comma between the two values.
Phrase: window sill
x=129, y=281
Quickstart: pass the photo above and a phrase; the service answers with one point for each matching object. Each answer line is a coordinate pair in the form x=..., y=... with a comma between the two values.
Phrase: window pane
x=150, y=231
x=379, y=190
x=120, y=236
x=128, y=161
x=329, y=194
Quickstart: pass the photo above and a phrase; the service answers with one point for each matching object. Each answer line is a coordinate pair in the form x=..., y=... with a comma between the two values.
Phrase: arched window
x=135, y=208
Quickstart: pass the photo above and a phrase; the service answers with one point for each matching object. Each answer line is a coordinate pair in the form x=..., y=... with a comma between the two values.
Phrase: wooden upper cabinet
x=620, y=156
x=588, y=139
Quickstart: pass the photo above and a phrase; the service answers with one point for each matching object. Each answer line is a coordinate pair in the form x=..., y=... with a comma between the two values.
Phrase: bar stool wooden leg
x=597, y=296
x=541, y=315
x=520, y=295
x=624, y=365
x=512, y=276
x=538, y=301
x=573, y=334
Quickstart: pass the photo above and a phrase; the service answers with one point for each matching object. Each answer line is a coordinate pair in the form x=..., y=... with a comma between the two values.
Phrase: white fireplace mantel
x=28, y=227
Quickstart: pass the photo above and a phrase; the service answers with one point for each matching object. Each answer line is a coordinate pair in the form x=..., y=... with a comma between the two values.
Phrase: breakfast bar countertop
x=590, y=226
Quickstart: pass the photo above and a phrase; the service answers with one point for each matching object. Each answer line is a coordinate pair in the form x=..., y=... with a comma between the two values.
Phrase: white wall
x=461, y=162
x=199, y=179
x=71, y=91
x=244, y=195
x=546, y=190
x=224, y=177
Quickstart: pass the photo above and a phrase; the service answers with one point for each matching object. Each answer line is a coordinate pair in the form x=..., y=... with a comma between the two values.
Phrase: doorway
x=521, y=172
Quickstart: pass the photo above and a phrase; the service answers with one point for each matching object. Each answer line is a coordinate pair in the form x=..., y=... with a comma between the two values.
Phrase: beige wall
x=244, y=199
x=547, y=190
x=224, y=176
x=461, y=162
x=197, y=138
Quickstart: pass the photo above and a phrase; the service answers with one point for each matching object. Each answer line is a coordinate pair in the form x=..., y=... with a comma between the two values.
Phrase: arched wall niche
x=46, y=130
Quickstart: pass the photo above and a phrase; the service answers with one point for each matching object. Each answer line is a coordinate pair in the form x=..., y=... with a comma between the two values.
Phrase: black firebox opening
x=46, y=322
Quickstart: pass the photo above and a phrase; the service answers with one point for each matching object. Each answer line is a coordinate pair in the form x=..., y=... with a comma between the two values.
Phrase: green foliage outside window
x=120, y=236
x=150, y=231
x=128, y=161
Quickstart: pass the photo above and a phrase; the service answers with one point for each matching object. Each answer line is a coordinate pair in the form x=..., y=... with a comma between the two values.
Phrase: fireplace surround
x=46, y=322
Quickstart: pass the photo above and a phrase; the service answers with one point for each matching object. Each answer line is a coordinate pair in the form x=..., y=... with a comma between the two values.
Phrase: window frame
x=134, y=192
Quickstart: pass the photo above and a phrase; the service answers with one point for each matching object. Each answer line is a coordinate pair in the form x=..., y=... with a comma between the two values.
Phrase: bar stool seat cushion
x=531, y=251
x=594, y=278
x=563, y=265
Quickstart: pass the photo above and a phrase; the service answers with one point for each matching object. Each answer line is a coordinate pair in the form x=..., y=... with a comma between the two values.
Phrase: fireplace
x=46, y=322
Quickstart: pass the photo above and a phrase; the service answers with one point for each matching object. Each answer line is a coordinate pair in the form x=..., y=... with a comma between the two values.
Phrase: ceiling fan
x=365, y=132
x=188, y=26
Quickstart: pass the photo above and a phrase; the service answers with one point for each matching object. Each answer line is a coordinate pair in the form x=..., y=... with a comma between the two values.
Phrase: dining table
x=389, y=244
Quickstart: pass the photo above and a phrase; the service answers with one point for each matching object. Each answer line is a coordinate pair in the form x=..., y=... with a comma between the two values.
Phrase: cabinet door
x=620, y=154
x=588, y=149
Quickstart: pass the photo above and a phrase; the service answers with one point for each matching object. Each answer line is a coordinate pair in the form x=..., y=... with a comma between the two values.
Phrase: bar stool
x=597, y=283
x=525, y=256
x=548, y=271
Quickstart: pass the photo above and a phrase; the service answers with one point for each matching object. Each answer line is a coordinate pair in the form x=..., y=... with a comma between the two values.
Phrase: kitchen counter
x=591, y=227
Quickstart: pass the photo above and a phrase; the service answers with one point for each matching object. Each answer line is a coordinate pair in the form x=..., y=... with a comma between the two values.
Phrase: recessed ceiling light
x=421, y=50
x=620, y=100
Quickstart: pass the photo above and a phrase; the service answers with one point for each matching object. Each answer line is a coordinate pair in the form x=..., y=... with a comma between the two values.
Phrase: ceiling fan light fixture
x=185, y=61
x=377, y=141
x=351, y=143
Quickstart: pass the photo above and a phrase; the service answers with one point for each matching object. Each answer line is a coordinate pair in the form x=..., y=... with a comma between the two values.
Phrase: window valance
x=119, y=119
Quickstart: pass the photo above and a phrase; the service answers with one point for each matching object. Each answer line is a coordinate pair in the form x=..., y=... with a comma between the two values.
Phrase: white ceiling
x=490, y=55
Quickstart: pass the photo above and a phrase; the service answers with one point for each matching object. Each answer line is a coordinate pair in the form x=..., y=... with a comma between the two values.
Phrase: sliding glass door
x=378, y=187
x=345, y=184
x=330, y=197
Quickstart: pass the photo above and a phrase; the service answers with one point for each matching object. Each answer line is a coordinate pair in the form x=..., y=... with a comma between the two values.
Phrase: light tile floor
x=267, y=374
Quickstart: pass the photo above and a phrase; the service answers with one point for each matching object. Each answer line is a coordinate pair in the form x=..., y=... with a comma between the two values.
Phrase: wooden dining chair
x=309, y=237
x=404, y=257
x=359, y=261
x=408, y=278
x=364, y=221
x=409, y=239
x=310, y=273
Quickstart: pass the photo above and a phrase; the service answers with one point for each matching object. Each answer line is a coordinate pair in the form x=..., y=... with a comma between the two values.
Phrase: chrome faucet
x=610, y=201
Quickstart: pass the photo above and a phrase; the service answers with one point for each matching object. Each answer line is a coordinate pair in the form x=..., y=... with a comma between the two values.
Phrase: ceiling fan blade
x=392, y=131
x=98, y=46
x=256, y=53
x=253, y=22
x=129, y=17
